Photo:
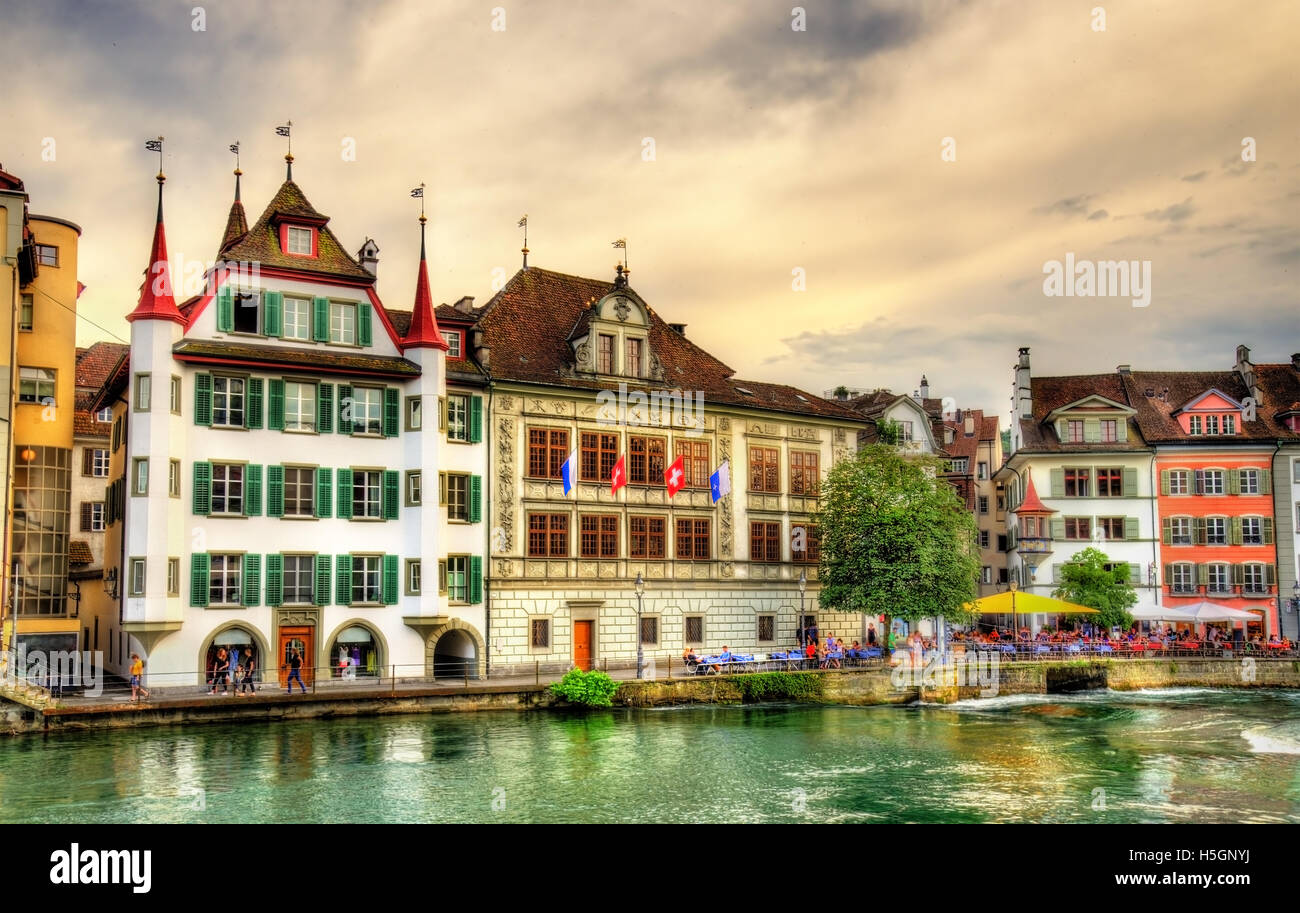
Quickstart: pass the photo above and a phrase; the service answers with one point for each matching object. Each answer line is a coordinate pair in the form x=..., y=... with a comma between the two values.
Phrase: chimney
x=1247, y=371
x=678, y=328
x=969, y=425
x=482, y=353
x=368, y=257
x=465, y=305
x=1024, y=393
x=1124, y=369
x=925, y=388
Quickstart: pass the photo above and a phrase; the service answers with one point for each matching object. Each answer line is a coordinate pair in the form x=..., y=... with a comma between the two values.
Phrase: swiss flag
x=618, y=478
x=675, y=475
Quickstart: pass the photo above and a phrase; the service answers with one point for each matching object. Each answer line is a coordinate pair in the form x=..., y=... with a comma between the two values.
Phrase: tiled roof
x=450, y=312
x=95, y=363
x=262, y=242
x=236, y=225
x=1173, y=389
x=79, y=552
x=1279, y=388
x=527, y=324
x=113, y=387
x=989, y=430
x=156, y=300
x=83, y=419
x=401, y=320
x=307, y=360
x=1051, y=393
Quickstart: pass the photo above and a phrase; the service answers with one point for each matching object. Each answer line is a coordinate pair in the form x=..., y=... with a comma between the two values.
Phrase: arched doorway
x=355, y=652
x=455, y=654
x=228, y=650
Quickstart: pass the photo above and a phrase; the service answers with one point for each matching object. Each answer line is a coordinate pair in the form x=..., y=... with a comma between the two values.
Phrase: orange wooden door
x=300, y=638
x=582, y=644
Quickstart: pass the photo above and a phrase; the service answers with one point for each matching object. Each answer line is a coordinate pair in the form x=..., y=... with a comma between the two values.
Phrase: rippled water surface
x=1154, y=756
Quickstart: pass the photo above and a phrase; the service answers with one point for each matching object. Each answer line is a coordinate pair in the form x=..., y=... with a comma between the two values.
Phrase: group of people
x=1164, y=639
x=233, y=667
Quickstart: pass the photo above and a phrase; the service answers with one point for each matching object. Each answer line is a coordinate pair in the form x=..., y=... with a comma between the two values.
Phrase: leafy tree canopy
x=1090, y=578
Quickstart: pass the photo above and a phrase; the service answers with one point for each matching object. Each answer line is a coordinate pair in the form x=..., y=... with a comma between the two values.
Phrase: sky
x=869, y=198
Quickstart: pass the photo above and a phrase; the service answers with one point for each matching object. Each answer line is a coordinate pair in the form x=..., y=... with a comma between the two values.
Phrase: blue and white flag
x=569, y=472
x=720, y=481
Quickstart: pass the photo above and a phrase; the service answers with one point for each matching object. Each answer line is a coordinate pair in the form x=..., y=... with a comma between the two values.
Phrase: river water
x=1195, y=755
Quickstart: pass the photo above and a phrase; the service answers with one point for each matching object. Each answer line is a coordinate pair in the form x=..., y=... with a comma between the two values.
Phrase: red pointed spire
x=1032, y=504
x=423, y=332
x=156, y=301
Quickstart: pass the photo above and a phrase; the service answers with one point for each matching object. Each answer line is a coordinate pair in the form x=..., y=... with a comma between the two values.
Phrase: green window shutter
x=1134, y=574
x=1121, y=428
x=322, y=594
x=274, y=496
x=1164, y=481
x=475, y=419
x=475, y=587
x=275, y=405
x=1232, y=481
x=392, y=411
x=364, y=331
x=1199, y=530
x=253, y=490
x=1234, y=524
x=1092, y=431
x=392, y=493
x=1058, y=527
x=1266, y=525
x=203, y=399
x=1058, y=483
x=272, y=311
x=1202, y=574
x=475, y=499
x=320, y=319
x=1169, y=575
x=225, y=309
x=343, y=579
x=1131, y=528
x=274, y=579
x=202, y=488
x=253, y=416
x=323, y=494
x=345, y=409
x=1239, y=574
x=199, y=579
x=1167, y=531
x=252, y=579
x=390, y=580
x=1130, y=482
x=1265, y=481
x=345, y=494
x=325, y=408
x=1270, y=574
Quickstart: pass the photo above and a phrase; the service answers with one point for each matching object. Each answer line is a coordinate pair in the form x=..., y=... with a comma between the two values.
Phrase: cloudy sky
x=774, y=150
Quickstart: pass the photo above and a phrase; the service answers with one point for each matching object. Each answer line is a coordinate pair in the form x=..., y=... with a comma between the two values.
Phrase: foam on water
x=1283, y=739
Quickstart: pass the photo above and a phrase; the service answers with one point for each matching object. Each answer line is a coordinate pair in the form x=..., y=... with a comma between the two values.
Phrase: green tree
x=889, y=432
x=1090, y=578
x=895, y=540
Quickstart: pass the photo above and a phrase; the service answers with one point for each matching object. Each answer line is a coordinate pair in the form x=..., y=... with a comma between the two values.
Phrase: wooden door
x=582, y=644
x=302, y=639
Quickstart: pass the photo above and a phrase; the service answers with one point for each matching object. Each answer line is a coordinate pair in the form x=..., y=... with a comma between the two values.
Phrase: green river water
x=1196, y=755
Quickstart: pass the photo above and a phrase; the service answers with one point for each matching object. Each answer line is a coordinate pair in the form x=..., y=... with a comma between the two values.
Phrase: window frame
x=806, y=477
x=693, y=537
x=365, y=570
x=765, y=541
x=413, y=578
x=139, y=464
x=1080, y=478
x=299, y=231
x=360, y=479
x=458, y=429
x=292, y=304
x=226, y=467
x=695, y=465
x=640, y=541
x=297, y=426
x=639, y=468
x=299, y=559
x=40, y=383
x=137, y=568
x=226, y=558
x=554, y=532
x=229, y=396
x=297, y=499
x=369, y=391
x=343, y=308
x=173, y=478
x=553, y=455
x=452, y=561
x=1114, y=481
x=603, y=538
x=598, y=453
x=143, y=392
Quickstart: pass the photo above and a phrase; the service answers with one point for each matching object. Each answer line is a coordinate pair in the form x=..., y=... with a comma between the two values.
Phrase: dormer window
x=453, y=344
x=632, y=366
x=298, y=241
x=1211, y=424
x=1074, y=430
x=1229, y=424
x=1109, y=430
x=1195, y=427
x=604, y=354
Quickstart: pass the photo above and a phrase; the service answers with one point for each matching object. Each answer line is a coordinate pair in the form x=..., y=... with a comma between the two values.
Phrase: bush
x=593, y=689
x=778, y=686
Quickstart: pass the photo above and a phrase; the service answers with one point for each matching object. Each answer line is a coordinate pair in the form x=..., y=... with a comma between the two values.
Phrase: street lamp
x=798, y=622
x=1151, y=580
x=639, y=586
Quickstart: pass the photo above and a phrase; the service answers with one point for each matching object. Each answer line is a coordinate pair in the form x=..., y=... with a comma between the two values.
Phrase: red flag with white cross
x=618, y=478
x=675, y=475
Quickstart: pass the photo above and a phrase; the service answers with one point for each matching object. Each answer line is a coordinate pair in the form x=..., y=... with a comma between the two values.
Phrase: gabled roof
x=1051, y=394
x=1157, y=414
x=1200, y=398
x=96, y=362
x=1091, y=401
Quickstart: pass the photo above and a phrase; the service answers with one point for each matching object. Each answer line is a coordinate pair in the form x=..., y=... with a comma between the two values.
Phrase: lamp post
x=1151, y=580
x=639, y=586
x=798, y=622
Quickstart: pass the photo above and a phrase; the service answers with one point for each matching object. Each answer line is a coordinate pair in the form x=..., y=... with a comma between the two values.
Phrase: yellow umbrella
x=1015, y=603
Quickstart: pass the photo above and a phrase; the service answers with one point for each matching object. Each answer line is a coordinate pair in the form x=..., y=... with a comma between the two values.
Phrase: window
x=1109, y=431
x=1216, y=531
x=981, y=470
x=692, y=539
x=1111, y=527
x=646, y=536
x=986, y=574
x=1078, y=528
x=1249, y=481
x=343, y=323
x=904, y=431
x=367, y=410
x=1004, y=542
x=959, y=464
x=457, y=583
x=35, y=385
x=414, y=488
x=25, y=312
x=299, y=491
x=983, y=503
x=598, y=536
x=650, y=629
x=173, y=576
x=1210, y=481
x=1211, y=424
x=1195, y=424
x=1181, y=578
x=1254, y=579
x=764, y=471
x=299, y=241
x=1229, y=424
x=300, y=406
x=1074, y=431
x=632, y=362
x=95, y=516
x=1252, y=531
x=366, y=500
x=140, y=476
x=984, y=538
x=458, y=419
x=1076, y=483
x=227, y=402
x=227, y=489
x=105, y=415
x=246, y=312
x=548, y=535
x=95, y=463
x=299, y=579
x=1179, y=482
x=805, y=544
x=414, y=413
x=766, y=628
x=453, y=343
x=1110, y=483
x=414, y=577
x=47, y=255
x=693, y=629
x=365, y=580
x=174, y=395
x=765, y=542
x=598, y=456
x=296, y=319
x=224, y=579
x=137, y=576
x=540, y=633
x=646, y=460
x=1217, y=579
x=805, y=473
x=604, y=354
x=696, y=461
x=548, y=448
x=1180, y=530
x=173, y=478
x=1003, y=575
x=457, y=496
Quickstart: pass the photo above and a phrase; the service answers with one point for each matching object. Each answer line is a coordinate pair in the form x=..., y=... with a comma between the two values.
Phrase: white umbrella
x=1159, y=613
x=1211, y=611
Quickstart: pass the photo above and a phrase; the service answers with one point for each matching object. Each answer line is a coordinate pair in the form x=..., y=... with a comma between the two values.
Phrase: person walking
x=295, y=670
x=221, y=672
x=137, y=674
x=246, y=680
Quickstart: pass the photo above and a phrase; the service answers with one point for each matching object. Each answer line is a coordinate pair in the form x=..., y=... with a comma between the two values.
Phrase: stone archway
x=328, y=644
x=453, y=649
x=259, y=643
